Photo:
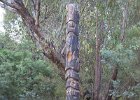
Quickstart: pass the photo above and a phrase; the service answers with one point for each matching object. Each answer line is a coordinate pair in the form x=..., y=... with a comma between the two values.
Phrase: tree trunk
x=124, y=23
x=113, y=78
x=98, y=64
x=72, y=53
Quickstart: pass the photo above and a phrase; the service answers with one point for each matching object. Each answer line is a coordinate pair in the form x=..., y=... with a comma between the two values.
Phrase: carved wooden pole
x=72, y=53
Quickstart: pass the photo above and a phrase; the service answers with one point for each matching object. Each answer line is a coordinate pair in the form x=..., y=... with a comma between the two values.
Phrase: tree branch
x=37, y=9
x=6, y=3
x=7, y=7
x=110, y=84
x=29, y=21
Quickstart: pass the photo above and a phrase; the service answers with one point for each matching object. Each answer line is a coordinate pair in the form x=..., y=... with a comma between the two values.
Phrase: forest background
x=25, y=73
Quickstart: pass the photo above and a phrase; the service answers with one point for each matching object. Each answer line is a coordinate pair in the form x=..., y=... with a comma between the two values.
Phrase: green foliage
x=21, y=65
x=23, y=74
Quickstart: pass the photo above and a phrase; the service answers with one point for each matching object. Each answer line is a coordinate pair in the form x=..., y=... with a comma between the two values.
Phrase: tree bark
x=123, y=23
x=113, y=78
x=72, y=53
x=98, y=64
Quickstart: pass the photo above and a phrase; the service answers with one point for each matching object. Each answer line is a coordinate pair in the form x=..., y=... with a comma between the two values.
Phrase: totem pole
x=72, y=53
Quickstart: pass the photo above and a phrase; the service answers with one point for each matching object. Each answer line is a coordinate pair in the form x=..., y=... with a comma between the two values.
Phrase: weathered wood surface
x=72, y=53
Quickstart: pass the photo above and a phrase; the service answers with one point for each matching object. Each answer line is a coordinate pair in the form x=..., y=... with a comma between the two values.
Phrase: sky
x=1, y=19
x=17, y=38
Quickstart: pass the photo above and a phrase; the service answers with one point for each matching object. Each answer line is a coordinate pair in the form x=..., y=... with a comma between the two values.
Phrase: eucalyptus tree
x=112, y=37
x=31, y=20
